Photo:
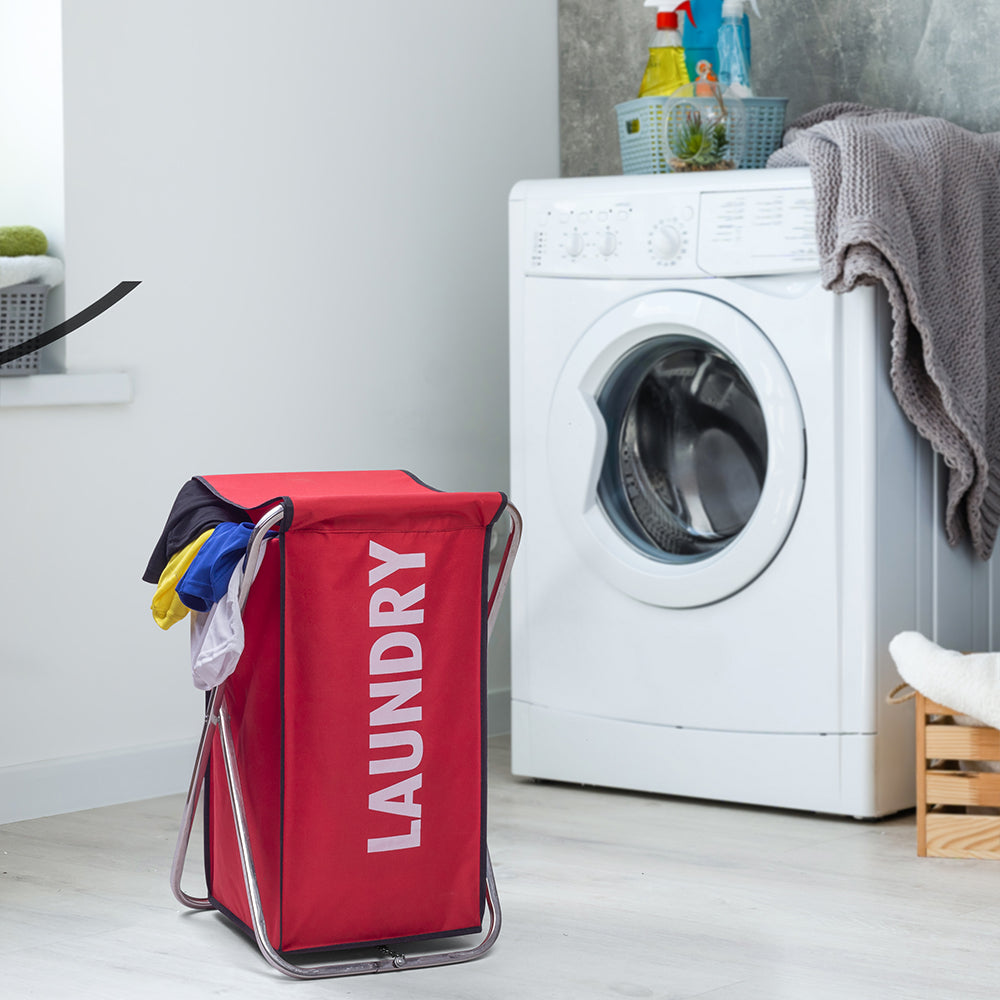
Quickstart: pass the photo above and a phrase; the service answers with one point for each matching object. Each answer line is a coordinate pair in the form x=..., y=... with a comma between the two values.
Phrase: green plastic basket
x=644, y=150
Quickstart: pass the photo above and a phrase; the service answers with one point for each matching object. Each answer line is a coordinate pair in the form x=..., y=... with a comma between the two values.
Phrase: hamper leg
x=191, y=804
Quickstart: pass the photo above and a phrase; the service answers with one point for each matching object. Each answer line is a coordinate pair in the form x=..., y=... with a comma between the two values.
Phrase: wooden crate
x=945, y=827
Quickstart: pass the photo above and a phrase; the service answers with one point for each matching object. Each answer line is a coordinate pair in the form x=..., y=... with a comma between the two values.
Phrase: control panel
x=680, y=234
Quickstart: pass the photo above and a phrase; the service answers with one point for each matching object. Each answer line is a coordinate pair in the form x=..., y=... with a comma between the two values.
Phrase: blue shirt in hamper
x=207, y=578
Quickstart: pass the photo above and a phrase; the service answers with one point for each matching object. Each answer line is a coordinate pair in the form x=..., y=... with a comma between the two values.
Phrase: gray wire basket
x=22, y=316
x=644, y=148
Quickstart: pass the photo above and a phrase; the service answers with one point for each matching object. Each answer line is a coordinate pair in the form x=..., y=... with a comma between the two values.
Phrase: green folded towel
x=22, y=241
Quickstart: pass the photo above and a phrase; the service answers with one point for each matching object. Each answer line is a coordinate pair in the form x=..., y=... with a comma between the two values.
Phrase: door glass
x=687, y=449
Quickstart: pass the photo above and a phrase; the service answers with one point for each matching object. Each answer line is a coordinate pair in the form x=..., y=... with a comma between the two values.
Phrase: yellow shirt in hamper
x=166, y=606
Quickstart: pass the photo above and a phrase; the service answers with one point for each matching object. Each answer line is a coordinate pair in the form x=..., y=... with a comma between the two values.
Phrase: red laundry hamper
x=343, y=761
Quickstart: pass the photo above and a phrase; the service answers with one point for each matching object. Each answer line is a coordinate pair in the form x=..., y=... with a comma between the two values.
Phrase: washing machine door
x=676, y=448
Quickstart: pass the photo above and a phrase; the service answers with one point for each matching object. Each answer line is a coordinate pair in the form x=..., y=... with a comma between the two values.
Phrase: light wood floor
x=605, y=894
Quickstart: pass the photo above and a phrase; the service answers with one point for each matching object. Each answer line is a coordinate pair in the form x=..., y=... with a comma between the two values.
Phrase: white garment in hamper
x=217, y=634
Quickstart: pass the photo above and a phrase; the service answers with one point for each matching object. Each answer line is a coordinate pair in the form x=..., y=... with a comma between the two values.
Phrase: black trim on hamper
x=258, y=509
x=232, y=918
x=386, y=942
x=420, y=482
x=348, y=946
x=281, y=765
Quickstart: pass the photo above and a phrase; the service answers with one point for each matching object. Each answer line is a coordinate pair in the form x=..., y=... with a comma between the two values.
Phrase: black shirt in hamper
x=195, y=510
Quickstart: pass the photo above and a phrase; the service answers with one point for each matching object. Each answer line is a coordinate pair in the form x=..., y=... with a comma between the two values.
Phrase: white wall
x=31, y=136
x=313, y=195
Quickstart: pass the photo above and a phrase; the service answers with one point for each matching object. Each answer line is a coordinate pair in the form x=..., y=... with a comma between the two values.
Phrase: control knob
x=607, y=243
x=665, y=243
x=574, y=244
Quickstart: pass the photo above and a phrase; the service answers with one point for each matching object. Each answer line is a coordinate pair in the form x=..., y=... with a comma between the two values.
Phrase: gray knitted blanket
x=913, y=203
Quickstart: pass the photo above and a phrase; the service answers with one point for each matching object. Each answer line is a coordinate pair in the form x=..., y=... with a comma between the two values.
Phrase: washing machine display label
x=757, y=232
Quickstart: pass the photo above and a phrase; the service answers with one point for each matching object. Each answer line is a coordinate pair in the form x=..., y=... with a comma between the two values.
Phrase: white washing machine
x=726, y=515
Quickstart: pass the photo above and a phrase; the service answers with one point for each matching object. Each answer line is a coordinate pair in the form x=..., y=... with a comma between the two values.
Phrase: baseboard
x=49, y=787
x=498, y=712
x=67, y=784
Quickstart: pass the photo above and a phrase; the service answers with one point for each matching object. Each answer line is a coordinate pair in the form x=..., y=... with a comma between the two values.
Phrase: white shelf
x=65, y=390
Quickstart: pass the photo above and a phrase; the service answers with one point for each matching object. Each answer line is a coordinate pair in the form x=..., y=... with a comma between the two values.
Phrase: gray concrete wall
x=935, y=57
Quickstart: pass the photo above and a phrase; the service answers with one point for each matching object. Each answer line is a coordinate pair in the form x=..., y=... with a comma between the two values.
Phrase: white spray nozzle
x=734, y=8
x=672, y=7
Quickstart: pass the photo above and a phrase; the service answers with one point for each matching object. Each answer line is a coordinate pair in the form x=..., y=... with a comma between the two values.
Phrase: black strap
x=68, y=326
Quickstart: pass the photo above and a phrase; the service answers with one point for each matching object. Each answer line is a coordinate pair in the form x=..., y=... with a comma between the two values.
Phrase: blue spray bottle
x=734, y=48
x=700, y=36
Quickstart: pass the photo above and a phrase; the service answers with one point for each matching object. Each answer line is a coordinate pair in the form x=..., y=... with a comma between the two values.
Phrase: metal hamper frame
x=218, y=715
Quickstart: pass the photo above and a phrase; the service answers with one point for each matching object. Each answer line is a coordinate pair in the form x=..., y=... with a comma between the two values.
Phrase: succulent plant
x=699, y=134
x=695, y=142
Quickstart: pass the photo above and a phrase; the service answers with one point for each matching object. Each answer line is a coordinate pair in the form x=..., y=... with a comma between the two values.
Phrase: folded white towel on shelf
x=29, y=268
x=966, y=682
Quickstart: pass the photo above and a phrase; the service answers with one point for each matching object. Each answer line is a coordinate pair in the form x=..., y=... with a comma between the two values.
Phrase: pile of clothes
x=199, y=565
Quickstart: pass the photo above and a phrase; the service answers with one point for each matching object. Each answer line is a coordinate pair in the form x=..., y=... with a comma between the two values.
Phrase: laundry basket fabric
x=357, y=713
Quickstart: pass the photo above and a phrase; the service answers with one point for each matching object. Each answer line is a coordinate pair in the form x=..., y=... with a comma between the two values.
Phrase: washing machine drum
x=687, y=448
x=677, y=449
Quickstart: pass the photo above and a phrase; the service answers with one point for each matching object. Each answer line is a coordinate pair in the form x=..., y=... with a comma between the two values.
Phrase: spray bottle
x=666, y=71
x=700, y=38
x=734, y=48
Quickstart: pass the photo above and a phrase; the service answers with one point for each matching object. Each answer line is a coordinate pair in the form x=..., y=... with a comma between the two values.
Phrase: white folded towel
x=966, y=682
x=29, y=268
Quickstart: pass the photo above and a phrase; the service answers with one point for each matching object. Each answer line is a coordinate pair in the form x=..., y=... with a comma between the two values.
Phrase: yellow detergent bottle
x=666, y=70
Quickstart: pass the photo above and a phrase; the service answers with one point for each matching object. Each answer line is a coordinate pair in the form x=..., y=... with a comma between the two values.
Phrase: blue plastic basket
x=644, y=149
